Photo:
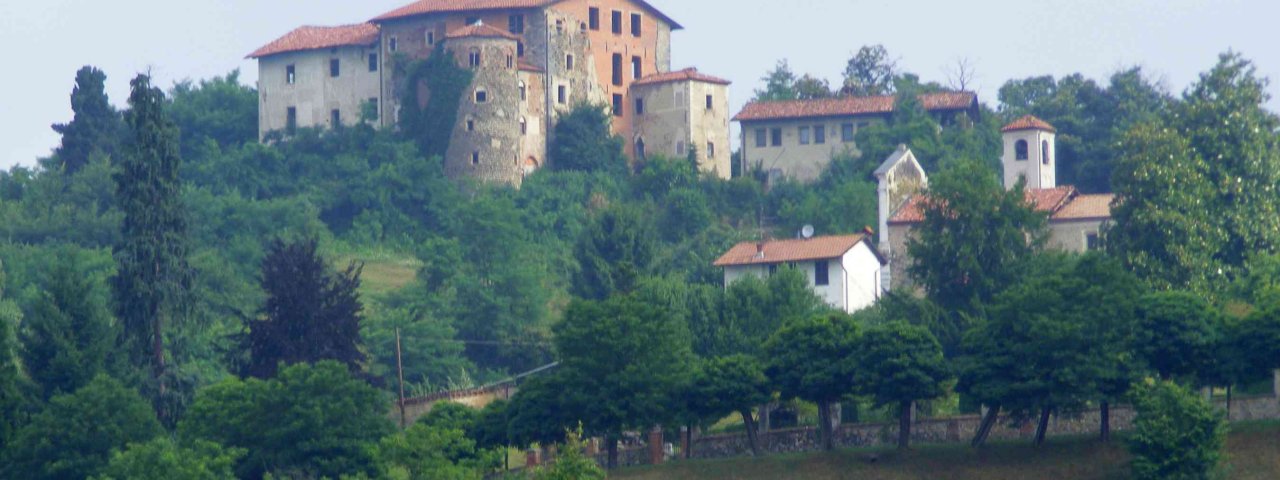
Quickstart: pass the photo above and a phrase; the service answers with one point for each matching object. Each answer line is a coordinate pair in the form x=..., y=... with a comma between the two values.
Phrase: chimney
x=759, y=250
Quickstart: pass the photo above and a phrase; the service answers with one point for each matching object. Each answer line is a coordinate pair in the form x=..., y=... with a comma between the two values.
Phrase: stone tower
x=1029, y=152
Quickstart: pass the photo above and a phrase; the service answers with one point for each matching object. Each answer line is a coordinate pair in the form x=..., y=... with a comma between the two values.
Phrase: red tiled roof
x=528, y=67
x=679, y=76
x=848, y=106
x=425, y=7
x=314, y=38
x=1047, y=200
x=481, y=30
x=1028, y=122
x=1086, y=207
x=791, y=250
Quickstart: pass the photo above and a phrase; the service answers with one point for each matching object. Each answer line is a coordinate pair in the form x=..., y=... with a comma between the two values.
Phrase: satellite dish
x=806, y=231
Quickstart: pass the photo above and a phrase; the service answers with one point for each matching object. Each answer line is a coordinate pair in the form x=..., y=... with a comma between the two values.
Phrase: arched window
x=523, y=91
x=1044, y=152
x=1020, y=150
x=524, y=126
x=640, y=148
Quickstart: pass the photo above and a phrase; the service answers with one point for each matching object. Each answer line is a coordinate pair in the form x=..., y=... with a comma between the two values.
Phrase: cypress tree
x=96, y=126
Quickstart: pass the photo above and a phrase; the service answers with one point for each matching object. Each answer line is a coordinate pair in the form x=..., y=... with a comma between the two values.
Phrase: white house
x=844, y=270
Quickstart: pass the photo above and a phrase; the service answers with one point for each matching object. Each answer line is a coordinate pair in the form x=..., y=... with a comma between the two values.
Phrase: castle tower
x=1029, y=152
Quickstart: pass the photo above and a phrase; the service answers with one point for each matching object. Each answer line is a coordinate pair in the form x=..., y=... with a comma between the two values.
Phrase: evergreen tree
x=311, y=314
x=153, y=279
x=69, y=334
x=614, y=252
x=779, y=84
x=96, y=127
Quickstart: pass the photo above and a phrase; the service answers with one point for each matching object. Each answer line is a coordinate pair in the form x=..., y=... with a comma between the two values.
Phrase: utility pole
x=400, y=373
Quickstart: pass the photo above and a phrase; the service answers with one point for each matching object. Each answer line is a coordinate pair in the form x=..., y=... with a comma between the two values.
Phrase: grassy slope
x=1254, y=453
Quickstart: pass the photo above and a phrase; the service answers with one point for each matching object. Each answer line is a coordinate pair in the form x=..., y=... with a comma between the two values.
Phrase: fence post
x=656, y=455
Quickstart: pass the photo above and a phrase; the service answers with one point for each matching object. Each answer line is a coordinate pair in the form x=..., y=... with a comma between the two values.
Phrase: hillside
x=1252, y=454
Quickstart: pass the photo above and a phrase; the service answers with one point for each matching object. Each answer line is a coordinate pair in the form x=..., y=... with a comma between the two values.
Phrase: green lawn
x=1253, y=453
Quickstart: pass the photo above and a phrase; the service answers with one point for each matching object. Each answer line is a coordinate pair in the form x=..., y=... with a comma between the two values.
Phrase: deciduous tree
x=1176, y=435
x=732, y=384
x=812, y=358
x=900, y=364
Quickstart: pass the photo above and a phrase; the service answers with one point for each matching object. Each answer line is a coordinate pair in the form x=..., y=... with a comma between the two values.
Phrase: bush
x=163, y=459
x=1177, y=435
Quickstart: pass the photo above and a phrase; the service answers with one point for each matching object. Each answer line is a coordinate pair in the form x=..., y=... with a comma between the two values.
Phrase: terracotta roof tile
x=1028, y=122
x=425, y=7
x=528, y=67
x=1047, y=200
x=481, y=30
x=790, y=250
x=679, y=76
x=1086, y=207
x=315, y=38
x=848, y=106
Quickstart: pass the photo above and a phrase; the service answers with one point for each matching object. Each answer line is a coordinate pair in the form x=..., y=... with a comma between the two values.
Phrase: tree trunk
x=766, y=411
x=1042, y=426
x=688, y=440
x=824, y=425
x=1228, y=403
x=984, y=429
x=904, y=425
x=613, y=452
x=750, y=425
x=157, y=352
x=1104, y=429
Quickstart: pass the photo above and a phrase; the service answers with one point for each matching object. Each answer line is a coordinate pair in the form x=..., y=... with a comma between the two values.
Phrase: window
x=709, y=102
x=819, y=134
x=481, y=96
x=431, y=38
x=593, y=16
x=475, y=158
x=568, y=62
x=290, y=74
x=473, y=58
x=617, y=105
x=515, y=24
x=773, y=270
x=291, y=119
x=371, y=108
x=846, y=132
x=617, y=69
x=524, y=126
x=473, y=20
x=1091, y=241
x=559, y=26
x=333, y=67
x=821, y=273
x=640, y=148
x=1020, y=150
x=761, y=137
x=635, y=68
x=635, y=25
x=524, y=95
x=373, y=62
x=639, y=106
x=711, y=150
x=510, y=62
x=520, y=49
x=775, y=137
x=561, y=94
x=680, y=147
x=471, y=125
x=804, y=135
x=391, y=43
x=617, y=22
x=1044, y=152
x=335, y=118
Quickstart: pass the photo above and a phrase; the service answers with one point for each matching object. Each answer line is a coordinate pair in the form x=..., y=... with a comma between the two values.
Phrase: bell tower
x=1030, y=153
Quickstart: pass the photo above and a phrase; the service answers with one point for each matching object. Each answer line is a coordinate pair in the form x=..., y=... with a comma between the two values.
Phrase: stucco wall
x=1070, y=236
x=676, y=112
x=862, y=282
x=710, y=126
x=802, y=162
x=314, y=93
x=1038, y=174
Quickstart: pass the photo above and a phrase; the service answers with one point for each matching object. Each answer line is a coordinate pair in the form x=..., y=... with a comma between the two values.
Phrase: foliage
x=584, y=142
x=727, y=385
x=754, y=309
x=1257, y=340
x=75, y=433
x=614, y=252
x=13, y=395
x=541, y=412
x=811, y=358
x=218, y=110
x=1176, y=435
x=1176, y=334
x=94, y=130
x=572, y=463
x=431, y=123
x=782, y=84
x=899, y=363
x=164, y=459
x=69, y=334
x=310, y=419
x=870, y=72
x=429, y=352
x=428, y=451
x=311, y=314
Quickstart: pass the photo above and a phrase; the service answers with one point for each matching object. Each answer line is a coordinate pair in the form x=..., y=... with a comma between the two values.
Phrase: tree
x=614, y=252
x=311, y=314
x=584, y=142
x=1257, y=340
x=75, y=434
x=1164, y=230
x=623, y=360
x=572, y=464
x=219, y=110
x=732, y=384
x=95, y=128
x=165, y=459
x=812, y=359
x=1176, y=334
x=808, y=87
x=779, y=84
x=13, y=395
x=974, y=236
x=429, y=350
x=428, y=451
x=153, y=278
x=900, y=364
x=69, y=334
x=755, y=309
x=540, y=412
x=870, y=72
x=1177, y=435
x=313, y=420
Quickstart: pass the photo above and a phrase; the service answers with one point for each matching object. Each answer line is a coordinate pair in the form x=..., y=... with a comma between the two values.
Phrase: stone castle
x=533, y=60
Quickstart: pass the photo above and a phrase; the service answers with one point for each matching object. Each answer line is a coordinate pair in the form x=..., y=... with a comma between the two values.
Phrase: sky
x=46, y=41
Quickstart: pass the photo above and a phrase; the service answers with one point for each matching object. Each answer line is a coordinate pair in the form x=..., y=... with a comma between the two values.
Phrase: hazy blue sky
x=45, y=41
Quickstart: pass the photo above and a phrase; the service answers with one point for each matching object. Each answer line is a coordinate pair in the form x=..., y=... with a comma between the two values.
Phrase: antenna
x=806, y=231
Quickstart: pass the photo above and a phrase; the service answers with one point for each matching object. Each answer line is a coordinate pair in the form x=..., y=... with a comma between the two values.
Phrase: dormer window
x=1020, y=150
